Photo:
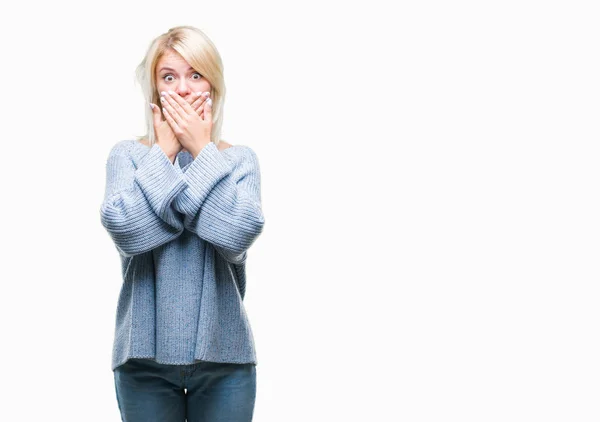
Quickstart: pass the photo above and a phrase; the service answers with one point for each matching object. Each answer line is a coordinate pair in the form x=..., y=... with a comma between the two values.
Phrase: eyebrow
x=173, y=70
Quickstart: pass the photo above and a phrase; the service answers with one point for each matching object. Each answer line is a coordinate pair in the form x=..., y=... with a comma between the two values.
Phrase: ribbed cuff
x=159, y=179
x=201, y=175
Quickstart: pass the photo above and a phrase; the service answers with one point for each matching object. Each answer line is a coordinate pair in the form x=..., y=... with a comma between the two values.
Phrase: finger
x=156, y=118
x=197, y=103
x=166, y=104
x=208, y=110
x=171, y=122
x=181, y=106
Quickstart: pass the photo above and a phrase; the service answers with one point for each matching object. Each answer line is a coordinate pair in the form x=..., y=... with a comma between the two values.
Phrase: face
x=173, y=73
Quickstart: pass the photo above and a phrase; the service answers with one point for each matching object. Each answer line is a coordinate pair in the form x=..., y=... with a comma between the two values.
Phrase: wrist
x=171, y=154
x=197, y=149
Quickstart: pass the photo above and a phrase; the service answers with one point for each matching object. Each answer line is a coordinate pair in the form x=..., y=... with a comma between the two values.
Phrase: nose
x=182, y=88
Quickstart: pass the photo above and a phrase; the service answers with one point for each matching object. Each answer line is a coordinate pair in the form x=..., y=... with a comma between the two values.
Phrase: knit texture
x=182, y=231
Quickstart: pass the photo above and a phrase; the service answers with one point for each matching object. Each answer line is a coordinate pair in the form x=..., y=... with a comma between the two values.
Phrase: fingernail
x=209, y=102
x=152, y=106
x=163, y=93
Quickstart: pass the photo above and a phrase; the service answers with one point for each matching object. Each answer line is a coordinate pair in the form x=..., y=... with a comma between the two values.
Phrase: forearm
x=221, y=203
x=136, y=210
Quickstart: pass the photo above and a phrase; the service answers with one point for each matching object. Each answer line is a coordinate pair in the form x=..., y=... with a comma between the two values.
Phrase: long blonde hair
x=200, y=52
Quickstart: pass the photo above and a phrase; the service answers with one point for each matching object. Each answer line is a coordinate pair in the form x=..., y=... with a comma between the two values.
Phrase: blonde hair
x=200, y=52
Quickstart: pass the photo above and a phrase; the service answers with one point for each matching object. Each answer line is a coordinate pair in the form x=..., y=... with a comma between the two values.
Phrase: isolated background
x=429, y=184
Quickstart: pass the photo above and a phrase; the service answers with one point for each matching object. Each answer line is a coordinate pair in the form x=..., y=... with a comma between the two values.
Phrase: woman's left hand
x=192, y=131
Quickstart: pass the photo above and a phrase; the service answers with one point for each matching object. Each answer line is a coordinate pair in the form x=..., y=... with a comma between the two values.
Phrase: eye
x=170, y=75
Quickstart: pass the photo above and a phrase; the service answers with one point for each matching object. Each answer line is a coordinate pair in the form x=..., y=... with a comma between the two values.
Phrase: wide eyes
x=168, y=75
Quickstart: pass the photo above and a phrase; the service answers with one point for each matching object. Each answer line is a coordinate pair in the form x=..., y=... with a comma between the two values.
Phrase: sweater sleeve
x=136, y=210
x=222, y=203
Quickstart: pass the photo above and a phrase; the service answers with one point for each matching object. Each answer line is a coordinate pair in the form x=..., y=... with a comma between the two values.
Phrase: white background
x=430, y=189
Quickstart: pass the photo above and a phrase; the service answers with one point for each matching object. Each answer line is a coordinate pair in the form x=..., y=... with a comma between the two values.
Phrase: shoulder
x=124, y=148
x=223, y=145
x=236, y=152
x=241, y=152
x=226, y=146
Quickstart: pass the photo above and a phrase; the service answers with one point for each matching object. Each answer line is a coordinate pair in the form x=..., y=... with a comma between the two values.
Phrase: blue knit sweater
x=182, y=231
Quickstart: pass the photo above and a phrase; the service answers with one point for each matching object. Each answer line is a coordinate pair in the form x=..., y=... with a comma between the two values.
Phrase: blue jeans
x=148, y=391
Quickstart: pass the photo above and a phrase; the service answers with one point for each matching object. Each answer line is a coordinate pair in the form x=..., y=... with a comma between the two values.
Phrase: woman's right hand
x=165, y=137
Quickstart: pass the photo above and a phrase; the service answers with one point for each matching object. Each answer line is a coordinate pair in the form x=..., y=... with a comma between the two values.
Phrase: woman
x=182, y=208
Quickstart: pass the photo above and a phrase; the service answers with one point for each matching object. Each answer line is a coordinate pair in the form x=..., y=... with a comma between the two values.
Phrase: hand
x=198, y=103
x=164, y=132
x=165, y=137
x=191, y=130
